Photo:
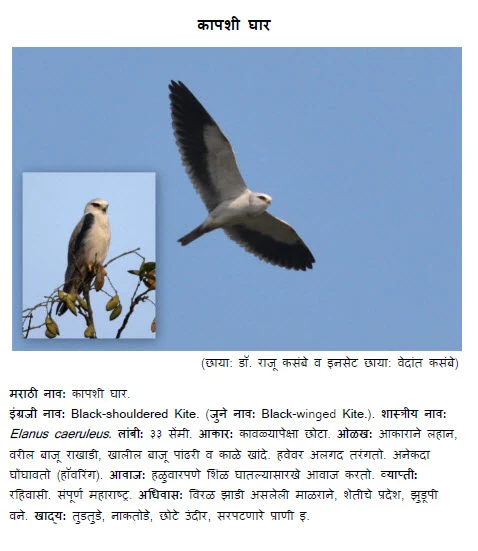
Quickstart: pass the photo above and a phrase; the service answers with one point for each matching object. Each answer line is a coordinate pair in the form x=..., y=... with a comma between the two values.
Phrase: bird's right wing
x=272, y=240
x=206, y=153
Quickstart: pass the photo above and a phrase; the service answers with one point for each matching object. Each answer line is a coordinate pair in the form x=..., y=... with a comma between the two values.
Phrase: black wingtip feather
x=294, y=256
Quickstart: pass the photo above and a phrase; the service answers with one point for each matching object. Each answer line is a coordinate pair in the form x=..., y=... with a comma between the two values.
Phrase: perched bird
x=211, y=165
x=87, y=249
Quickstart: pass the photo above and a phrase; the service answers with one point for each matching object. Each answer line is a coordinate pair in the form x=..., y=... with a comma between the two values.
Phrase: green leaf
x=148, y=267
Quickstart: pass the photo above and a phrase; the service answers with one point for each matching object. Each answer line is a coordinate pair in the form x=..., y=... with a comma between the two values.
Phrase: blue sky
x=360, y=150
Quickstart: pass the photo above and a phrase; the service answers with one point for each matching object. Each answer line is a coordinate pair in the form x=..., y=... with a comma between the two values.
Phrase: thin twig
x=30, y=310
x=140, y=298
x=37, y=326
x=30, y=318
x=111, y=283
x=123, y=254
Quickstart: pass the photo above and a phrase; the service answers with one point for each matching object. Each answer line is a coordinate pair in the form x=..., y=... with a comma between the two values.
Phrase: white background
x=176, y=377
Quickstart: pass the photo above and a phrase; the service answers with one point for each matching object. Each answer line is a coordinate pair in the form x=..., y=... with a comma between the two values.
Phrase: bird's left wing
x=78, y=237
x=272, y=240
x=75, y=267
x=206, y=153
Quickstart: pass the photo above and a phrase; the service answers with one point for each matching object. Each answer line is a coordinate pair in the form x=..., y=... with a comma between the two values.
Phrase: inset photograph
x=89, y=266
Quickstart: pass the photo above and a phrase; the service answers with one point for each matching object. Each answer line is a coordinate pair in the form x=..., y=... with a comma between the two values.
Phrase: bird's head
x=96, y=205
x=260, y=202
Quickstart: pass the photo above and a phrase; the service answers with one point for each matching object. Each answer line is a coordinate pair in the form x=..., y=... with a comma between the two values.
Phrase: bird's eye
x=97, y=205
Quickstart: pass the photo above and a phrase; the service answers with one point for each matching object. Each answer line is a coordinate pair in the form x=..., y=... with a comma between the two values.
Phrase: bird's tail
x=191, y=236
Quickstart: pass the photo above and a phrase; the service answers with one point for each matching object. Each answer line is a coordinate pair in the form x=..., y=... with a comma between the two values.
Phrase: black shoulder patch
x=87, y=225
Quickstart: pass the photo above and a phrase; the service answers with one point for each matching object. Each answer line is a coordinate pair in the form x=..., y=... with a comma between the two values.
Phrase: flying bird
x=211, y=165
x=87, y=249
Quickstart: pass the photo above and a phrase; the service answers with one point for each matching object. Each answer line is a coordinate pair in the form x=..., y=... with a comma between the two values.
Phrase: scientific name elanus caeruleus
x=211, y=165
x=87, y=249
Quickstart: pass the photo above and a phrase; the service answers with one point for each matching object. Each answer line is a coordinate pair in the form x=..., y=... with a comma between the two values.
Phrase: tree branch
x=140, y=298
x=124, y=254
x=83, y=305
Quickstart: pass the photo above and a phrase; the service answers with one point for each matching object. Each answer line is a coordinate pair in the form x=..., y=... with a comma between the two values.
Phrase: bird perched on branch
x=87, y=249
x=211, y=165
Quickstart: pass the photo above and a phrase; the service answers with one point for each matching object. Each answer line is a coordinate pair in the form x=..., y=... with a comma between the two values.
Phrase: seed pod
x=153, y=326
x=82, y=302
x=52, y=326
x=90, y=332
x=49, y=334
x=116, y=312
x=100, y=278
x=71, y=306
x=112, y=303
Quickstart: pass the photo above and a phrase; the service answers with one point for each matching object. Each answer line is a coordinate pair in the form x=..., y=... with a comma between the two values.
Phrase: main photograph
x=308, y=198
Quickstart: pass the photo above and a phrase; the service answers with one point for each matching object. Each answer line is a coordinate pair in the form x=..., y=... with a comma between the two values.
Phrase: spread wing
x=272, y=240
x=206, y=153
